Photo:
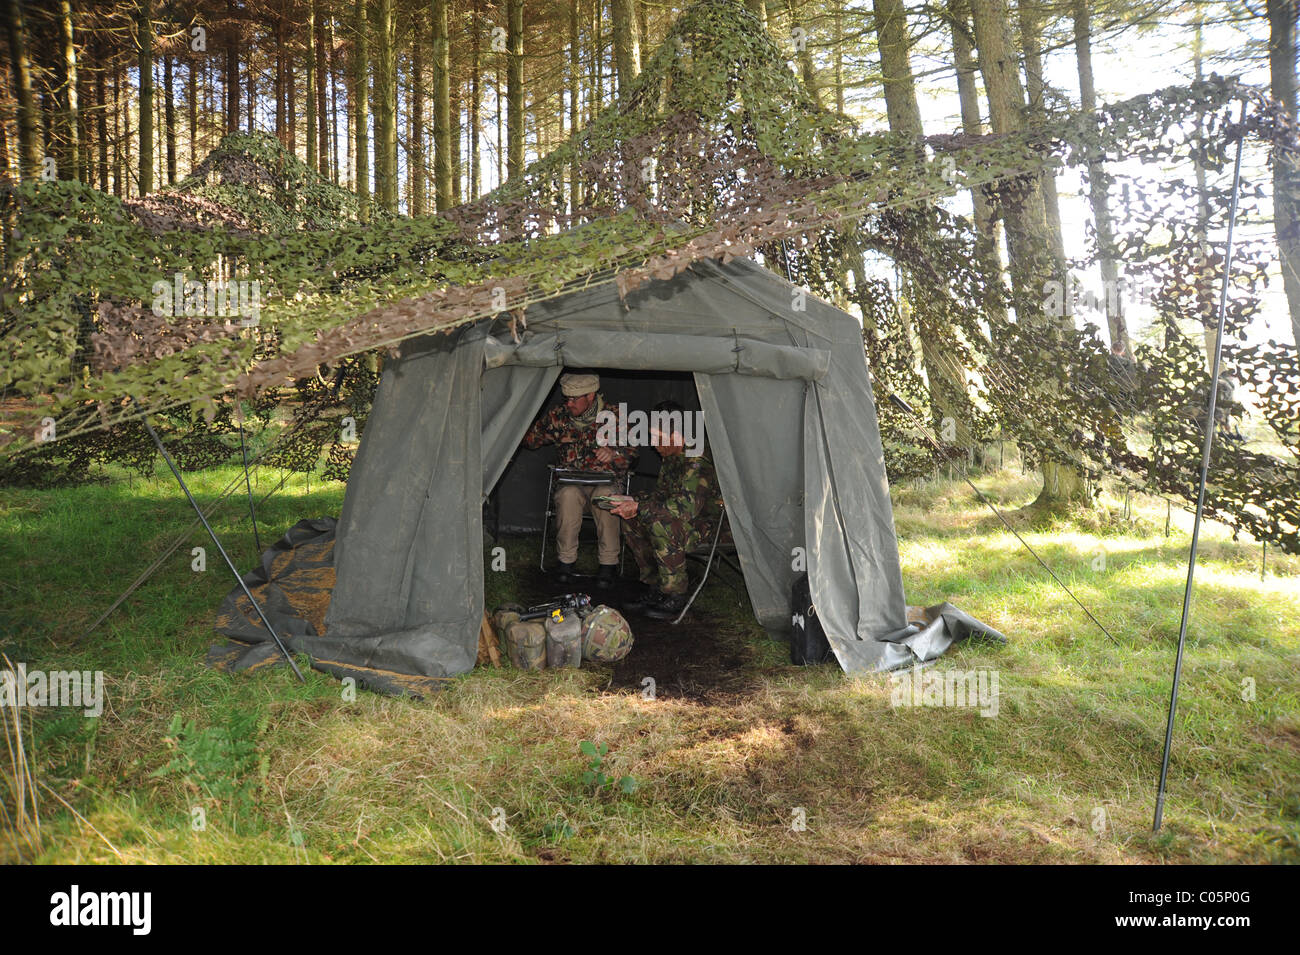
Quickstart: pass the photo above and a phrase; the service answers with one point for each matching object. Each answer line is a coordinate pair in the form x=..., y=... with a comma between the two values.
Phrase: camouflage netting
x=714, y=152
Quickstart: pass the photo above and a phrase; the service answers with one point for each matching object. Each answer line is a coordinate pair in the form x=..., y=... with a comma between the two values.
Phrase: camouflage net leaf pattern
x=714, y=152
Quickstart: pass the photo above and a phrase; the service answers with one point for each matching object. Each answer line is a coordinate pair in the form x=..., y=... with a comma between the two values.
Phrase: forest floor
x=738, y=757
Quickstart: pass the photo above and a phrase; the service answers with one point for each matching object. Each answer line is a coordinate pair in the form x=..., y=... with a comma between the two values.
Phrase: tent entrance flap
x=649, y=351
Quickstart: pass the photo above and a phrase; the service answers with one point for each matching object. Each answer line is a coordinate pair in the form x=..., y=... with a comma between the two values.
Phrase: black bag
x=808, y=643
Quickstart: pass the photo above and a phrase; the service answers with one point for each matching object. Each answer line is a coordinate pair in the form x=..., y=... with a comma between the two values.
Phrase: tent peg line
x=217, y=541
x=252, y=511
x=221, y=498
x=925, y=433
x=1205, y=472
x=717, y=532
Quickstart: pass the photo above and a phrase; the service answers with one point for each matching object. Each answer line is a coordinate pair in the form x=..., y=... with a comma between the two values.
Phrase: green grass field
x=190, y=765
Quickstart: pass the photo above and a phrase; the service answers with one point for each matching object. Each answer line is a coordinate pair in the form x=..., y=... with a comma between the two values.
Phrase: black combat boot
x=647, y=596
x=565, y=573
x=667, y=607
x=607, y=576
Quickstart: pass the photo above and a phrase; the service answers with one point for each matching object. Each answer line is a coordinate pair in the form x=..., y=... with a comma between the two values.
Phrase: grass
x=186, y=764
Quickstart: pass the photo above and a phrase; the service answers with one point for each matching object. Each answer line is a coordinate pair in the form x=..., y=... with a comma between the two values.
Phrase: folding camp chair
x=562, y=476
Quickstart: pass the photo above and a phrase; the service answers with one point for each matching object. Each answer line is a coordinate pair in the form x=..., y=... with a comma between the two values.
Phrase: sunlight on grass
x=801, y=765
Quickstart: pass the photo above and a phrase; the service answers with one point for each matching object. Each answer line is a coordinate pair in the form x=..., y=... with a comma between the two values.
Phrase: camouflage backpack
x=606, y=636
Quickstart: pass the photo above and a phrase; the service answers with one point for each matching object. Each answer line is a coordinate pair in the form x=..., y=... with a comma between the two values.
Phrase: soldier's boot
x=647, y=596
x=607, y=576
x=667, y=607
x=565, y=573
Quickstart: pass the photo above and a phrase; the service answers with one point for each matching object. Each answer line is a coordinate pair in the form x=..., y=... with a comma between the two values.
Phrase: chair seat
x=574, y=476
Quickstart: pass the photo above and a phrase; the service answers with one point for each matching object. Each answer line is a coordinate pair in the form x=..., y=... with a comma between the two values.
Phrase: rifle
x=566, y=604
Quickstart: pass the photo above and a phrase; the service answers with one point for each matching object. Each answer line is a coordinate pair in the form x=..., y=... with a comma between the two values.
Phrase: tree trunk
x=192, y=102
x=475, y=107
x=86, y=122
x=290, y=99
x=169, y=118
x=317, y=91
x=986, y=221
x=1030, y=245
x=29, y=123
x=1031, y=43
x=385, y=109
x=277, y=82
x=361, y=108
x=499, y=89
x=596, y=98
x=442, y=131
x=515, y=87
x=231, y=79
x=1028, y=242
x=334, y=171
x=144, y=38
x=415, y=114
x=457, y=172
x=627, y=44
x=68, y=98
x=1286, y=174
x=251, y=76
x=759, y=9
x=807, y=69
x=313, y=159
x=575, y=93
x=1097, y=183
x=101, y=129
x=117, y=133
x=947, y=385
x=125, y=169
x=839, y=56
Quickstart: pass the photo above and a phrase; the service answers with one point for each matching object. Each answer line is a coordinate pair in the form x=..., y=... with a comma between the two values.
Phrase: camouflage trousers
x=660, y=541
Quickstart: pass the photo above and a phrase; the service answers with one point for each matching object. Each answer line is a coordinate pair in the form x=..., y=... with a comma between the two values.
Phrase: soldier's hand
x=626, y=510
x=604, y=455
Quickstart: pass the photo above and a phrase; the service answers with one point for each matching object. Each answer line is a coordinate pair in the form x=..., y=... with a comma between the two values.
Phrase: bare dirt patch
x=704, y=659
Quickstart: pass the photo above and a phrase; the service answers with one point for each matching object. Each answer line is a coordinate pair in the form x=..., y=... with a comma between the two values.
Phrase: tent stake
x=1205, y=471
x=144, y=417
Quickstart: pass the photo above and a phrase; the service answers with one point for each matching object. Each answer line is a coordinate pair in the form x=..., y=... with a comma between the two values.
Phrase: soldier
x=661, y=527
x=573, y=427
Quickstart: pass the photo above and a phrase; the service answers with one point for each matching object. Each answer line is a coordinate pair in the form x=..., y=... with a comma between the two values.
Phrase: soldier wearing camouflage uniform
x=661, y=527
x=573, y=427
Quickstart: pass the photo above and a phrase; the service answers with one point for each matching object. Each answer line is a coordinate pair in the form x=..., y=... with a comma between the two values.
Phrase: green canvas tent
x=783, y=384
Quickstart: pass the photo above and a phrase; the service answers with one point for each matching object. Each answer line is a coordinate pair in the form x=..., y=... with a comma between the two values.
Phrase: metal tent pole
x=1205, y=470
x=144, y=417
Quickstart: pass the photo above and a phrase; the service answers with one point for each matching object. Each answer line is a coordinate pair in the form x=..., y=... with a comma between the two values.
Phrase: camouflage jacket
x=687, y=489
x=576, y=439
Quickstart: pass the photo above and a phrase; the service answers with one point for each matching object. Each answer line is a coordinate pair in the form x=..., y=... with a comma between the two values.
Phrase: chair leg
x=546, y=519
